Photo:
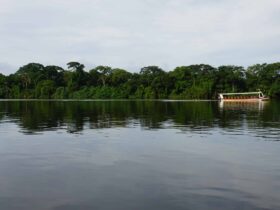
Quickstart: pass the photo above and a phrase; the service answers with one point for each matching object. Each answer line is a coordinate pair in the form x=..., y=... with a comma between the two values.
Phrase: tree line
x=36, y=81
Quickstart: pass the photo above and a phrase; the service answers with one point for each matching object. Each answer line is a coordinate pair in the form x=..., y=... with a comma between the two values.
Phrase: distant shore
x=194, y=82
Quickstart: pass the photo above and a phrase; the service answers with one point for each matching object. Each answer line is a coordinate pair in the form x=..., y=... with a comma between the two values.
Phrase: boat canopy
x=245, y=93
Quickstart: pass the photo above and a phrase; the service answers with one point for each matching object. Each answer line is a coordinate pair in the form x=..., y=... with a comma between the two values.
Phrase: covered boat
x=245, y=96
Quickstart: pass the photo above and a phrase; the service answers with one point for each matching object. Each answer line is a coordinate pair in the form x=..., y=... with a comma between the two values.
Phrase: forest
x=36, y=81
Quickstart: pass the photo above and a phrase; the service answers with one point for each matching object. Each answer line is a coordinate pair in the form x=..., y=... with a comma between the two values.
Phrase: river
x=139, y=155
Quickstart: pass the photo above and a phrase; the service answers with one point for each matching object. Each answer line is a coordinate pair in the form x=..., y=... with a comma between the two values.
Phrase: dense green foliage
x=103, y=82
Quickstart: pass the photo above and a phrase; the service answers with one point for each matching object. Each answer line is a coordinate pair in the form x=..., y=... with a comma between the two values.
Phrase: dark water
x=139, y=155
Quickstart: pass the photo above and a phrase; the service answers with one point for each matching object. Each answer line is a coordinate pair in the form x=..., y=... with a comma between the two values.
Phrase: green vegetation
x=103, y=82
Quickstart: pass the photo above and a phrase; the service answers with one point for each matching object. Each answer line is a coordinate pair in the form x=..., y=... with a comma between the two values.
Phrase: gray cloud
x=133, y=33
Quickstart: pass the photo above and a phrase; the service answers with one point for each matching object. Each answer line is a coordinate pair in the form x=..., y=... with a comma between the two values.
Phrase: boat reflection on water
x=243, y=105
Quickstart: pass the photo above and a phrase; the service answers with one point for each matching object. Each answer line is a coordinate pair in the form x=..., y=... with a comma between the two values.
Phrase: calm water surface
x=139, y=155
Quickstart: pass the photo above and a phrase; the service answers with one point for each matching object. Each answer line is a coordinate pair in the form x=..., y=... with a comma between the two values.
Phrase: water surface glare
x=136, y=155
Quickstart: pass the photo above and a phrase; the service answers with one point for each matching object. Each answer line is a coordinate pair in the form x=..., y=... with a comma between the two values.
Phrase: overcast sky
x=134, y=33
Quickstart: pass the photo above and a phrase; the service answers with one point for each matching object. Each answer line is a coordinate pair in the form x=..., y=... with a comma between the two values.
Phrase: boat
x=245, y=96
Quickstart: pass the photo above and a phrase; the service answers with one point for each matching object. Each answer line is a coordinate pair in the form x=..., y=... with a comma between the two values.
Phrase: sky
x=131, y=34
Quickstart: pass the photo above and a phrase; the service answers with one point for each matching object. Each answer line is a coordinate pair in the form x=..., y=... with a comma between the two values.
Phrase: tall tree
x=79, y=77
x=105, y=72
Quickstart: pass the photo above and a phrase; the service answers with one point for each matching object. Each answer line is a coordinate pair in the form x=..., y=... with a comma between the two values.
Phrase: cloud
x=132, y=33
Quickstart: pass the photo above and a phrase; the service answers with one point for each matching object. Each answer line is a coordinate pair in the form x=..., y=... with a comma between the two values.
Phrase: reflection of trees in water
x=264, y=114
x=271, y=114
x=36, y=116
